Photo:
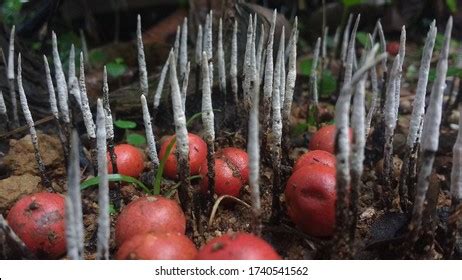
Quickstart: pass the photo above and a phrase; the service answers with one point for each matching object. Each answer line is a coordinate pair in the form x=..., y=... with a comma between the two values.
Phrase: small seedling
x=130, y=137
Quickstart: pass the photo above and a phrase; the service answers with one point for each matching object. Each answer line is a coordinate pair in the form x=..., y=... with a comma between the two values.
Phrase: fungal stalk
x=390, y=124
x=357, y=156
x=291, y=39
x=10, y=76
x=221, y=65
x=114, y=192
x=184, y=85
x=233, y=67
x=402, y=54
x=374, y=95
x=455, y=188
x=61, y=86
x=3, y=111
x=54, y=107
x=160, y=86
x=249, y=53
x=30, y=123
x=144, y=86
x=209, y=126
x=336, y=41
x=104, y=231
x=342, y=147
x=149, y=134
x=276, y=132
x=183, y=59
x=289, y=89
x=430, y=136
x=313, y=104
x=351, y=55
x=86, y=112
x=268, y=79
x=346, y=39
x=109, y=123
x=176, y=45
x=182, y=146
x=198, y=56
x=208, y=45
x=416, y=122
x=74, y=216
x=253, y=148
x=260, y=49
x=71, y=70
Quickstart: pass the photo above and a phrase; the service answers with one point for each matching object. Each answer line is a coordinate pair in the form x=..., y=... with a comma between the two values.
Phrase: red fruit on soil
x=227, y=180
x=157, y=246
x=197, y=155
x=149, y=214
x=310, y=198
x=315, y=157
x=130, y=160
x=38, y=219
x=238, y=246
x=324, y=139
x=238, y=158
x=393, y=48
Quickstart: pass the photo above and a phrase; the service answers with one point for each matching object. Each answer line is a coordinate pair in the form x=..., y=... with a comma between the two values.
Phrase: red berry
x=130, y=160
x=324, y=139
x=38, y=219
x=197, y=155
x=227, y=180
x=310, y=198
x=238, y=246
x=157, y=246
x=149, y=214
x=393, y=48
x=238, y=158
x=315, y=157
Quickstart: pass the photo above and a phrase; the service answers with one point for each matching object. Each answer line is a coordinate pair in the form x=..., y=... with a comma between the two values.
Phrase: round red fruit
x=393, y=48
x=149, y=214
x=38, y=219
x=238, y=246
x=197, y=155
x=157, y=246
x=315, y=157
x=324, y=139
x=227, y=179
x=310, y=198
x=130, y=161
x=239, y=159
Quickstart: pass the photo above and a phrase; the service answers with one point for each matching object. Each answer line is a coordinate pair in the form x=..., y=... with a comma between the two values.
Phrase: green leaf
x=125, y=124
x=136, y=139
x=328, y=85
x=300, y=128
x=114, y=178
x=452, y=5
x=115, y=69
x=362, y=38
x=351, y=3
x=305, y=66
x=112, y=210
x=11, y=11
x=97, y=57
x=452, y=72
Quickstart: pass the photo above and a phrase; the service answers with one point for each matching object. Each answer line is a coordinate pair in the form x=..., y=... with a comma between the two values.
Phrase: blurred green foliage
x=10, y=11
x=452, y=5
